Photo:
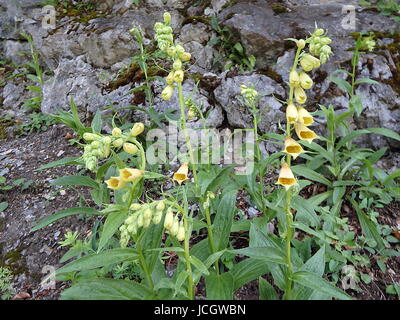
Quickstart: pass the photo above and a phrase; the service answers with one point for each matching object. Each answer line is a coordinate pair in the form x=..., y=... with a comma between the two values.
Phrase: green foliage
x=232, y=52
x=389, y=8
x=6, y=289
x=38, y=122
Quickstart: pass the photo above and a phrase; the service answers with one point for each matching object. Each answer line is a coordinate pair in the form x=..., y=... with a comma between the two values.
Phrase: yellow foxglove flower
x=286, y=177
x=116, y=132
x=135, y=206
x=148, y=214
x=291, y=113
x=178, y=76
x=129, y=175
x=308, y=62
x=160, y=206
x=90, y=136
x=170, y=78
x=115, y=183
x=305, y=117
x=294, y=78
x=130, y=148
x=304, y=133
x=166, y=94
x=305, y=80
x=169, y=219
x=182, y=174
x=157, y=217
x=300, y=95
x=137, y=129
x=171, y=51
x=292, y=147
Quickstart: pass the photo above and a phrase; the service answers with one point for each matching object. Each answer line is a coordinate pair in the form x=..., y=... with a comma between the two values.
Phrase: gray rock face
x=228, y=96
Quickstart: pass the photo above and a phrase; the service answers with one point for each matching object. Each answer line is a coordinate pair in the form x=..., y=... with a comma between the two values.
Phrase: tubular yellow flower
x=128, y=174
x=157, y=217
x=135, y=206
x=305, y=80
x=116, y=132
x=160, y=206
x=291, y=113
x=300, y=95
x=115, y=183
x=177, y=65
x=304, y=133
x=130, y=148
x=286, y=177
x=292, y=147
x=178, y=76
x=137, y=129
x=294, y=78
x=182, y=174
x=169, y=219
x=170, y=78
x=305, y=117
x=175, y=227
x=166, y=94
x=308, y=62
x=301, y=44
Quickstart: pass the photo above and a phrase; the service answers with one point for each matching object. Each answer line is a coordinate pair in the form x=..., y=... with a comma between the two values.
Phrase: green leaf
x=341, y=83
x=311, y=174
x=365, y=80
x=319, y=284
x=97, y=122
x=62, y=214
x=305, y=211
x=199, y=265
x=247, y=270
x=267, y=292
x=338, y=193
x=113, y=222
x=219, y=287
x=62, y=162
x=106, y=289
x=224, y=218
x=368, y=227
x=97, y=260
x=382, y=131
x=76, y=180
x=3, y=206
x=264, y=253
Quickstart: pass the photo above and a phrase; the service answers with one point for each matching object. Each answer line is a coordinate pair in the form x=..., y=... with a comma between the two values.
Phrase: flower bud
x=90, y=136
x=140, y=220
x=179, y=49
x=137, y=129
x=186, y=56
x=294, y=78
x=106, y=140
x=135, y=206
x=192, y=114
x=160, y=206
x=308, y=62
x=157, y=217
x=116, y=132
x=305, y=80
x=130, y=148
x=117, y=143
x=169, y=219
x=181, y=232
x=301, y=44
x=148, y=214
x=132, y=228
x=171, y=51
x=319, y=32
x=95, y=145
x=177, y=64
x=178, y=76
x=167, y=92
x=300, y=95
x=167, y=18
x=146, y=222
x=175, y=227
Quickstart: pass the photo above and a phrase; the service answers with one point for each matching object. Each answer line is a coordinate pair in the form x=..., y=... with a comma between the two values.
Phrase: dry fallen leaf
x=22, y=296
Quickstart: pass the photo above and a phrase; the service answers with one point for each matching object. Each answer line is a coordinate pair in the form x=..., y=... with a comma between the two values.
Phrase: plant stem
x=187, y=249
x=187, y=137
x=144, y=264
x=289, y=234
